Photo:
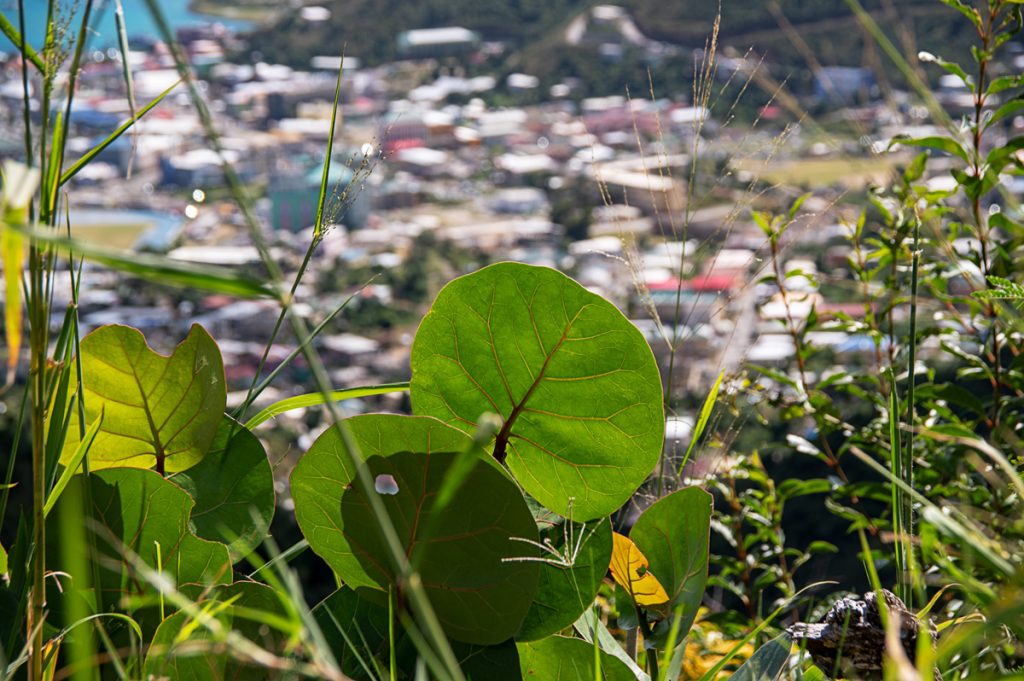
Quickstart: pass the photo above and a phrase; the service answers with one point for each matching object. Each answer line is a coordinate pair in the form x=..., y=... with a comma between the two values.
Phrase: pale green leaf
x=160, y=412
x=73, y=464
x=574, y=382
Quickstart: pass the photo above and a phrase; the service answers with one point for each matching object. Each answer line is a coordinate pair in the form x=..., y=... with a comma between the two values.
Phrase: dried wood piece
x=852, y=633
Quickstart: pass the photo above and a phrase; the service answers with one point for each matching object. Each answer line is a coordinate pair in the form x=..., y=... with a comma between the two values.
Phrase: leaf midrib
x=502, y=438
x=158, y=446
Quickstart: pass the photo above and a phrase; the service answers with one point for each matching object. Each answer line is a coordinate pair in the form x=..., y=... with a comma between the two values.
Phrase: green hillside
x=534, y=31
x=367, y=29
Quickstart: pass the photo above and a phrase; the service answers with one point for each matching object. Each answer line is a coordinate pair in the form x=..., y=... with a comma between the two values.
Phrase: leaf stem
x=648, y=631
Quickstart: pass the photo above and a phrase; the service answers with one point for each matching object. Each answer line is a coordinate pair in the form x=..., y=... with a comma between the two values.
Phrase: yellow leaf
x=13, y=253
x=629, y=569
x=50, y=658
x=20, y=183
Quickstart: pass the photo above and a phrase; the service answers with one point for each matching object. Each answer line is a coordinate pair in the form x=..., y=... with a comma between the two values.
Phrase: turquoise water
x=160, y=234
x=138, y=21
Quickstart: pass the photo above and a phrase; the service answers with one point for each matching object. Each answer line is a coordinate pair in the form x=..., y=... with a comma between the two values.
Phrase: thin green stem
x=907, y=520
x=38, y=316
x=648, y=631
x=392, y=657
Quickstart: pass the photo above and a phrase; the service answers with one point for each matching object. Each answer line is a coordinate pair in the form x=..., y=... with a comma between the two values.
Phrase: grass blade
x=702, y=420
x=255, y=389
x=898, y=497
x=126, y=69
x=73, y=464
x=92, y=153
x=947, y=520
x=24, y=48
x=159, y=269
x=585, y=626
x=318, y=225
x=767, y=661
x=712, y=673
x=314, y=399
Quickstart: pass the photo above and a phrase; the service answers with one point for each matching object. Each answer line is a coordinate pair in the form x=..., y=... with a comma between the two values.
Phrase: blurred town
x=437, y=170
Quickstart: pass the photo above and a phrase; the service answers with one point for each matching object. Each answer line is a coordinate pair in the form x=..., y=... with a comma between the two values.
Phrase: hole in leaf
x=385, y=484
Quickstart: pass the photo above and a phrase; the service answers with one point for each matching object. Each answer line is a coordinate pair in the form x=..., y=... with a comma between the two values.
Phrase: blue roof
x=338, y=175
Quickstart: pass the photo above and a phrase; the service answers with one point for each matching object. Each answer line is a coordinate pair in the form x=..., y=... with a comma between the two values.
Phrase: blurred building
x=426, y=43
x=294, y=199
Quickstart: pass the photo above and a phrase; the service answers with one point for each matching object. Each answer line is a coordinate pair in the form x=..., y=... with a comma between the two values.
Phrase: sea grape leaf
x=630, y=569
x=181, y=648
x=488, y=663
x=674, y=533
x=560, y=657
x=158, y=411
x=171, y=658
x=137, y=510
x=325, y=471
x=356, y=630
x=575, y=383
x=233, y=487
x=564, y=592
x=459, y=550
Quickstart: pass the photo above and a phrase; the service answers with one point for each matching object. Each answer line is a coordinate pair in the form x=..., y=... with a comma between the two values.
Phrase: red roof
x=704, y=282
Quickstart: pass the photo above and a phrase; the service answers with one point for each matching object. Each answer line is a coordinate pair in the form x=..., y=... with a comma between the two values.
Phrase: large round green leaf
x=325, y=471
x=356, y=631
x=568, y=584
x=488, y=663
x=138, y=511
x=572, y=659
x=233, y=487
x=459, y=549
x=574, y=381
x=673, y=533
x=158, y=411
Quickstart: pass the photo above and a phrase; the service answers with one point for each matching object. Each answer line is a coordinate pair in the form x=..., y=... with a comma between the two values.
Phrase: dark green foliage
x=356, y=630
x=234, y=490
x=460, y=551
x=325, y=473
x=568, y=582
x=671, y=534
x=558, y=657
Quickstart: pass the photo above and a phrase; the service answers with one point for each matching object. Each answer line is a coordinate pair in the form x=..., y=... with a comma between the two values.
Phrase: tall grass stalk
x=900, y=502
x=425, y=616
